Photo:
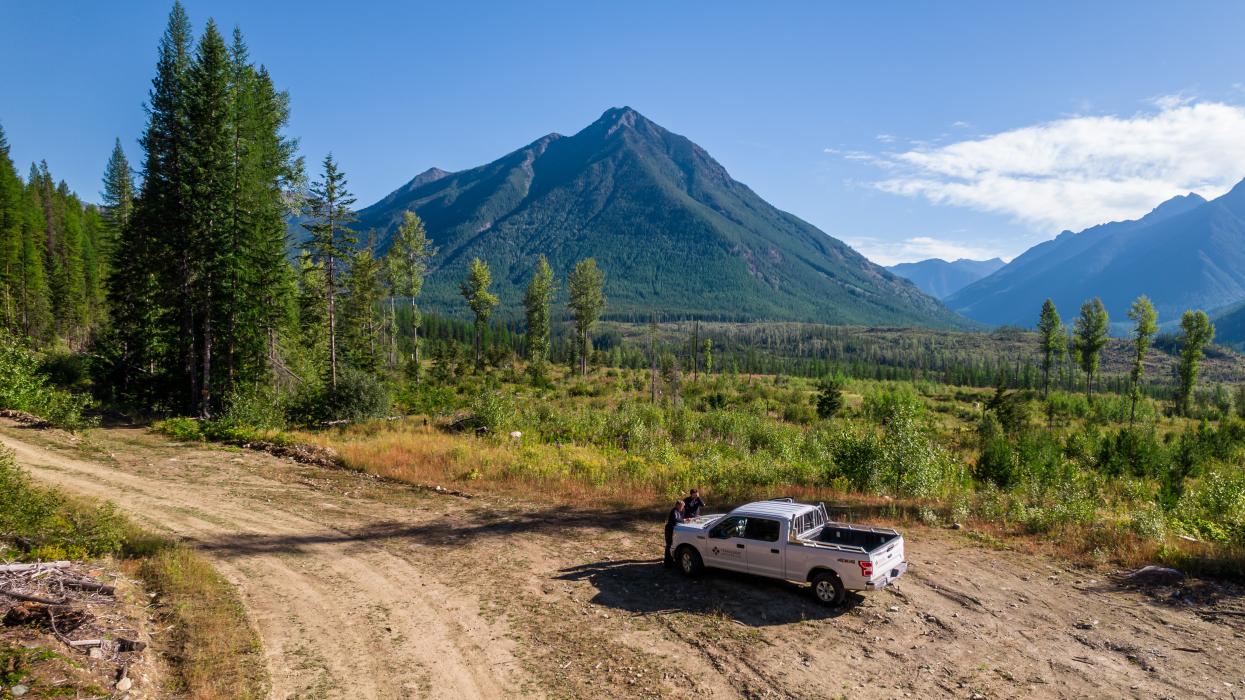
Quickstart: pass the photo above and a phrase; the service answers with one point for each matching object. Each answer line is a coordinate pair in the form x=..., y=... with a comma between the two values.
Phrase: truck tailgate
x=888, y=563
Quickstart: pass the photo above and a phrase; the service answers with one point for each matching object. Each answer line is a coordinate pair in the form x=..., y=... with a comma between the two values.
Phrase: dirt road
x=363, y=589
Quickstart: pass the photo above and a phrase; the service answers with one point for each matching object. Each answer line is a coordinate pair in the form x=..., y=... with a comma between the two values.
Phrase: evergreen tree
x=1053, y=339
x=536, y=302
x=360, y=327
x=1145, y=325
x=829, y=399
x=328, y=207
x=33, y=297
x=475, y=289
x=313, y=312
x=11, y=222
x=151, y=269
x=69, y=298
x=587, y=300
x=1091, y=336
x=278, y=171
x=1196, y=332
x=265, y=171
x=213, y=251
x=407, y=262
x=118, y=194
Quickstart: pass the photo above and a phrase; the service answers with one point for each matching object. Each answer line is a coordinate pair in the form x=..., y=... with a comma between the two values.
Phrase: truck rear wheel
x=828, y=589
x=689, y=560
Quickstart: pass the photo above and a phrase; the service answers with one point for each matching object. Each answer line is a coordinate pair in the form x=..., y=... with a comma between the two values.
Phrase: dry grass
x=426, y=455
x=215, y=653
x=419, y=453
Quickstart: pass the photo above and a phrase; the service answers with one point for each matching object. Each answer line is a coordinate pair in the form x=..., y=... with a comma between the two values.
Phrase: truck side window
x=762, y=529
x=731, y=527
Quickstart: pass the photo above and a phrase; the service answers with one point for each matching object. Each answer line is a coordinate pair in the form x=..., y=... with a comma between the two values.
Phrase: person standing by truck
x=675, y=517
x=692, y=504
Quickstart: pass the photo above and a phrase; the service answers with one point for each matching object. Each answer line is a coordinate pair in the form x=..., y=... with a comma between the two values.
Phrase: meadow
x=1066, y=472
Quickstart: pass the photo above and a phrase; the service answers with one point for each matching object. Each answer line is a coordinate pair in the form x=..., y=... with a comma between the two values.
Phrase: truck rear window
x=808, y=522
x=761, y=529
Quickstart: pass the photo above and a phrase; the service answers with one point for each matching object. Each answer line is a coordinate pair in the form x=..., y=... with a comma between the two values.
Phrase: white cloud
x=1083, y=170
x=885, y=138
x=961, y=124
x=885, y=252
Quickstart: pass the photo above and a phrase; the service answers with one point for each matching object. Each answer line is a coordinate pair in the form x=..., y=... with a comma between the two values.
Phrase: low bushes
x=24, y=387
x=40, y=523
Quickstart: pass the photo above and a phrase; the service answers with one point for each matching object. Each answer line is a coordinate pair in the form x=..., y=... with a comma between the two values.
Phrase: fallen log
x=32, y=598
x=85, y=585
x=15, y=568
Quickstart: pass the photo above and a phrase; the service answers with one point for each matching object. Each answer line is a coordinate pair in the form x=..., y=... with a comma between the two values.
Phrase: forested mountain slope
x=1187, y=253
x=673, y=231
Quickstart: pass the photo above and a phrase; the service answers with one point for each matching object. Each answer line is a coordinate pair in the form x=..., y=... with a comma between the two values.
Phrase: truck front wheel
x=828, y=589
x=690, y=562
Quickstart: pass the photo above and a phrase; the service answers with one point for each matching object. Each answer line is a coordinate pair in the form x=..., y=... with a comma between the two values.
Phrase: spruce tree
x=328, y=207
x=213, y=255
x=118, y=194
x=11, y=219
x=34, y=298
x=151, y=268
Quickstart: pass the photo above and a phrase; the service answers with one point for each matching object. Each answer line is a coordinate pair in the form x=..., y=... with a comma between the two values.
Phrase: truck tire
x=828, y=589
x=689, y=561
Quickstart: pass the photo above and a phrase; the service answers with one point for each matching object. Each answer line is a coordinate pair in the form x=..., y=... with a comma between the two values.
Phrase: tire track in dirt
x=339, y=617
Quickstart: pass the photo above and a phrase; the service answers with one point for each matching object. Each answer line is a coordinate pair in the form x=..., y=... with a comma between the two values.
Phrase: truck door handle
x=773, y=551
x=740, y=546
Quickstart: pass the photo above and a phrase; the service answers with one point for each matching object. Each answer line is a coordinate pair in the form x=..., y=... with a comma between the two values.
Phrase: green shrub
x=358, y=396
x=257, y=406
x=179, y=428
x=45, y=524
x=882, y=402
x=494, y=411
x=24, y=388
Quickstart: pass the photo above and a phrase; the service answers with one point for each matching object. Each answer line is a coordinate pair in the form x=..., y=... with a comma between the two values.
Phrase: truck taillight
x=866, y=569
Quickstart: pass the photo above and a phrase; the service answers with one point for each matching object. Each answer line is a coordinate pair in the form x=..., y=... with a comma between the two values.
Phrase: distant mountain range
x=1188, y=253
x=940, y=279
x=674, y=233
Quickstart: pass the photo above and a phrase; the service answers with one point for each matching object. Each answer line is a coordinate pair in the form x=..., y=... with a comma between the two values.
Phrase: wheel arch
x=812, y=573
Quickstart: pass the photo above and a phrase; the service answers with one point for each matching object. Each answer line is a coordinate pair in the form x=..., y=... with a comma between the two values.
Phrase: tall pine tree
x=330, y=215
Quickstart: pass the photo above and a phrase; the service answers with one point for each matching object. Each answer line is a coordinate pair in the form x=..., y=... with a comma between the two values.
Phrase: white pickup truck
x=793, y=541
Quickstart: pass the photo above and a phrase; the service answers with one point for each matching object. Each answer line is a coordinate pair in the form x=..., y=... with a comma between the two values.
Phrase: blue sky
x=906, y=130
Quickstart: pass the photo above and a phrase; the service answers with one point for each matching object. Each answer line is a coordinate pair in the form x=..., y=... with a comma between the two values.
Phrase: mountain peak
x=429, y=175
x=673, y=230
x=615, y=119
x=1177, y=205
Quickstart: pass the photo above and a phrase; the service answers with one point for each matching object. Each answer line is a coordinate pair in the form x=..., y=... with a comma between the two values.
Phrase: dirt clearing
x=366, y=589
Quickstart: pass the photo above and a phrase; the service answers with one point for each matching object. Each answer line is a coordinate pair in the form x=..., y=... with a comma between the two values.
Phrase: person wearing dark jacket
x=675, y=517
x=692, y=504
